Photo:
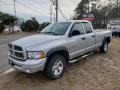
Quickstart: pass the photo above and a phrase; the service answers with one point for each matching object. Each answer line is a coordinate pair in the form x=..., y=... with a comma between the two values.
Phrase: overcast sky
x=40, y=9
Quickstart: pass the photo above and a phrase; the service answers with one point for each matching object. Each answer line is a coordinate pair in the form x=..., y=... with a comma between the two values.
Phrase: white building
x=16, y=28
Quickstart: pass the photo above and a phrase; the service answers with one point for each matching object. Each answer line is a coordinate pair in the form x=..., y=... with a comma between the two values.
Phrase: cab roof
x=73, y=21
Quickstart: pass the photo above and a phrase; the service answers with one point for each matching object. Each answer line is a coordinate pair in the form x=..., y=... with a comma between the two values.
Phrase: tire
x=55, y=67
x=115, y=35
x=104, y=47
x=119, y=35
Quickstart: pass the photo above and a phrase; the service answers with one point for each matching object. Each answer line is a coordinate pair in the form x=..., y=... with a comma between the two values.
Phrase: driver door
x=76, y=42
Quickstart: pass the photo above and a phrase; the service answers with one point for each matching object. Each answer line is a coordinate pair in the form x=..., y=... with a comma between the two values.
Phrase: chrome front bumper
x=28, y=66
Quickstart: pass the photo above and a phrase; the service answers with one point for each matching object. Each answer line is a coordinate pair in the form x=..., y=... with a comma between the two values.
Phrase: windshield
x=56, y=28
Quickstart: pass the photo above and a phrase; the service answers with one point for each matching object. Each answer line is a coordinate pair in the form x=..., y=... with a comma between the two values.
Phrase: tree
x=2, y=27
x=7, y=19
x=80, y=9
x=103, y=12
x=30, y=25
x=43, y=25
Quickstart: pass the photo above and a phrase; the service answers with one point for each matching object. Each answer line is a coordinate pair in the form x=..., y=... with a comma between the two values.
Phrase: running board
x=81, y=57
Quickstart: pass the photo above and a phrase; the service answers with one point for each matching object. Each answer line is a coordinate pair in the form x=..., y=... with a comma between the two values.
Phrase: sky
x=40, y=9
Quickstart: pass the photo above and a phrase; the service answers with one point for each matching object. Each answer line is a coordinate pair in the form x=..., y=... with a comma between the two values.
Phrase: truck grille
x=17, y=48
x=16, y=52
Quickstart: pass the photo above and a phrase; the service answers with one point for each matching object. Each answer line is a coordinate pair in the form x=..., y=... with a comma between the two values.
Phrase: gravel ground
x=96, y=72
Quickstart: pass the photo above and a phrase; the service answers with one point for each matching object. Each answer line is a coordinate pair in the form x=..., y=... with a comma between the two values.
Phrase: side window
x=78, y=26
x=87, y=27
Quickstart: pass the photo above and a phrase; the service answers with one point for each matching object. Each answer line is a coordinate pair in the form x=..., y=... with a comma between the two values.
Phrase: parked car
x=56, y=46
x=116, y=32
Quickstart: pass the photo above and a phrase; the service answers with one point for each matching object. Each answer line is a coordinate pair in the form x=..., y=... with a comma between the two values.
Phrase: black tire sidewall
x=107, y=47
x=102, y=48
x=50, y=63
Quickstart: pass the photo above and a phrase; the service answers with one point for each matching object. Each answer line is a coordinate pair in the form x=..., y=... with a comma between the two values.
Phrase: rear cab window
x=88, y=28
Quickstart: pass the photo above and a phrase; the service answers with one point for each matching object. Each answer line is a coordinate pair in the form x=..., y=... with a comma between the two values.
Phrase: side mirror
x=74, y=33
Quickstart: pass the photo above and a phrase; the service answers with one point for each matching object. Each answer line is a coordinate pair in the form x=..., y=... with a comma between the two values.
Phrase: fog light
x=29, y=70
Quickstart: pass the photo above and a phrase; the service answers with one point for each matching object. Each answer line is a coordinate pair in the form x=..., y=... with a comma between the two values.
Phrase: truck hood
x=34, y=40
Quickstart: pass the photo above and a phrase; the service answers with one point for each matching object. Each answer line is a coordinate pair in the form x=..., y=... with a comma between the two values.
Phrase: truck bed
x=101, y=34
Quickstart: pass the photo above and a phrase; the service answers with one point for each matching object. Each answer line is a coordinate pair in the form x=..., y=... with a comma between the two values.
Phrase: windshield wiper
x=49, y=33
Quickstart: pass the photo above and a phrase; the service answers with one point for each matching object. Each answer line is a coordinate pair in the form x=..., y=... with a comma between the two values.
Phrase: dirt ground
x=96, y=72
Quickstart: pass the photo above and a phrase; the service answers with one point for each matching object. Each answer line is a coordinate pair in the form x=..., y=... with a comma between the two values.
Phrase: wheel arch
x=108, y=39
x=59, y=50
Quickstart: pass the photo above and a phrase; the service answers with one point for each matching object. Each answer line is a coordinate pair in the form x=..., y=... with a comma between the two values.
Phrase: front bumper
x=28, y=66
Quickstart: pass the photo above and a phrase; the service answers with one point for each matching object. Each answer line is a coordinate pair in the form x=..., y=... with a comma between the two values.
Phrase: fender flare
x=105, y=38
x=53, y=50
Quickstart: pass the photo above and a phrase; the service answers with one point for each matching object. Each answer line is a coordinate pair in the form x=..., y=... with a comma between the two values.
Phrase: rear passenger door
x=90, y=36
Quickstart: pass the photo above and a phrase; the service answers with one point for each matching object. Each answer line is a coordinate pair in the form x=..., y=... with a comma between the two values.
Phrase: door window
x=87, y=27
x=79, y=27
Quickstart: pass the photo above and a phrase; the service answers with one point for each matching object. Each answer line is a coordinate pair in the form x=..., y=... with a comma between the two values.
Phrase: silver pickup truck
x=56, y=46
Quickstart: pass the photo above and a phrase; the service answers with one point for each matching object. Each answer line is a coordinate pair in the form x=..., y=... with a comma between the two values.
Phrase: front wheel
x=55, y=67
x=104, y=47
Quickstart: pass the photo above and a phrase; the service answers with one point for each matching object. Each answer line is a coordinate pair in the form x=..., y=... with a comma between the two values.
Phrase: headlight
x=35, y=55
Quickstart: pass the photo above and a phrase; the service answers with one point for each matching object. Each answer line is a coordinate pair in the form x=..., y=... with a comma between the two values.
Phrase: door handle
x=93, y=35
x=83, y=38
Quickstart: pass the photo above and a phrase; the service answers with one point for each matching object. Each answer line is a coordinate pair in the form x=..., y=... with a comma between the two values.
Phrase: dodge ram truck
x=56, y=46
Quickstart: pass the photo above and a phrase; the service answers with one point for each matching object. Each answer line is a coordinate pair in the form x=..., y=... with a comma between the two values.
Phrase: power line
x=28, y=7
x=62, y=13
x=24, y=6
x=73, y=2
x=6, y=4
x=51, y=13
x=53, y=2
x=35, y=2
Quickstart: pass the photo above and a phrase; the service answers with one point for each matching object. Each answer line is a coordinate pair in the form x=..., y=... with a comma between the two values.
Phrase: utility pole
x=51, y=13
x=88, y=6
x=55, y=2
x=14, y=8
x=117, y=9
x=54, y=17
x=13, y=24
x=56, y=10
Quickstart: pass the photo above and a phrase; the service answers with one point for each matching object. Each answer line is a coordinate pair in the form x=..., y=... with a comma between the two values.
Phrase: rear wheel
x=55, y=67
x=115, y=35
x=104, y=47
x=119, y=35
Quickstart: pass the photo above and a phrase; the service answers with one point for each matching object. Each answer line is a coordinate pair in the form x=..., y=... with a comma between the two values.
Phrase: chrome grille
x=10, y=46
x=19, y=54
x=16, y=52
x=17, y=48
x=11, y=52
